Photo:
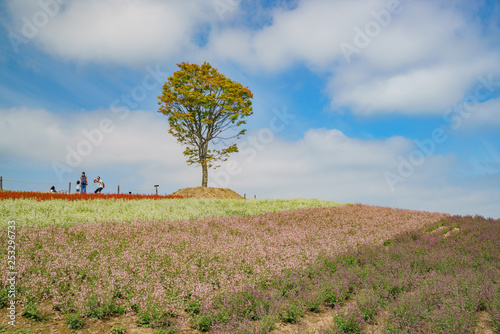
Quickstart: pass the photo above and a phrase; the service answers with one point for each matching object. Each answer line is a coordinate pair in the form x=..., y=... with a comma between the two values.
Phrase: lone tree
x=204, y=107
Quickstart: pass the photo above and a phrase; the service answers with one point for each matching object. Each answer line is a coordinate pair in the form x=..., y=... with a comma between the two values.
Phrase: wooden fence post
x=1, y=183
x=69, y=188
x=118, y=189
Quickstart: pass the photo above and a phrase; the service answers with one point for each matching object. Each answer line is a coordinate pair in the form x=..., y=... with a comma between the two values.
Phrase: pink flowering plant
x=225, y=273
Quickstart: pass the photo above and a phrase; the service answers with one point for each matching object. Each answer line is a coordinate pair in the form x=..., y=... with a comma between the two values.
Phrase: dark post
x=254, y=196
x=156, y=186
x=118, y=189
x=245, y=196
x=1, y=181
x=69, y=188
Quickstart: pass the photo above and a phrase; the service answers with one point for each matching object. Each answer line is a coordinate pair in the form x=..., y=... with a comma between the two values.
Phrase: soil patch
x=310, y=323
x=208, y=192
x=485, y=324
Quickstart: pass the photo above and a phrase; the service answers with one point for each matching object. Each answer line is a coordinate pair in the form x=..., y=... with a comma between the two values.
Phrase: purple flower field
x=244, y=274
x=429, y=281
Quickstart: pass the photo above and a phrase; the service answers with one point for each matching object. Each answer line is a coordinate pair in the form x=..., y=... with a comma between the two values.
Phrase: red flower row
x=45, y=196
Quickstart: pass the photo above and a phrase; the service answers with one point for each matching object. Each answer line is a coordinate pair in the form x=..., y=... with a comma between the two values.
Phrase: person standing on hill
x=100, y=185
x=83, y=183
x=78, y=187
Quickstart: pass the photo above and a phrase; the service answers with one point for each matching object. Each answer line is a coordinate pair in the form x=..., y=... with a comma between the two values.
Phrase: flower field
x=437, y=280
x=235, y=266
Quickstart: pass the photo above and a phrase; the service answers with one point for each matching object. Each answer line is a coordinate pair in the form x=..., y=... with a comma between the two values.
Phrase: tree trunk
x=204, y=178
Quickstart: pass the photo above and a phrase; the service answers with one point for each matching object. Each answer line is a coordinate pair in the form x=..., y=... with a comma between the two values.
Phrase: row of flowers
x=46, y=196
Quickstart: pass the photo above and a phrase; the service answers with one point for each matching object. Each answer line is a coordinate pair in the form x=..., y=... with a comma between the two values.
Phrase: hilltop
x=208, y=192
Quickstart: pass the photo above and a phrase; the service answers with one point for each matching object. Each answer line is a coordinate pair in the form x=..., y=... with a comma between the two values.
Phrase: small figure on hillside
x=53, y=189
x=83, y=183
x=100, y=185
x=78, y=187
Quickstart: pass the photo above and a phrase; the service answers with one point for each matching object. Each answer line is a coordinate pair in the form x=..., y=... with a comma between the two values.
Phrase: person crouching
x=100, y=185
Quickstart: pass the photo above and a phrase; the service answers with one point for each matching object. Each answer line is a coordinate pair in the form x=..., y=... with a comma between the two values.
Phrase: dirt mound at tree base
x=208, y=192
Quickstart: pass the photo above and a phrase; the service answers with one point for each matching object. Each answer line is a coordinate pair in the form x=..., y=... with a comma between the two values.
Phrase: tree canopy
x=205, y=111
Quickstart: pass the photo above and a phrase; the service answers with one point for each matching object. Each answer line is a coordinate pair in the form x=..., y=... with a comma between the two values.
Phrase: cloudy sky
x=384, y=102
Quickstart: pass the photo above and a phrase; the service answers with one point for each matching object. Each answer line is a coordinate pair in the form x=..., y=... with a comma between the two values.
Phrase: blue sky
x=383, y=102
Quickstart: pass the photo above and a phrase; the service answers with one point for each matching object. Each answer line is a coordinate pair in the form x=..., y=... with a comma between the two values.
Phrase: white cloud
x=123, y=31
x=420, y=90
x=486, y=114
x=310, y=33
x=28, y=133
x=423, y=62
